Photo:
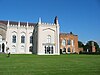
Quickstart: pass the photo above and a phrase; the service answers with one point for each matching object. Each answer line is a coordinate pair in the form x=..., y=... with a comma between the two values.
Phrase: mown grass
x=50, y=65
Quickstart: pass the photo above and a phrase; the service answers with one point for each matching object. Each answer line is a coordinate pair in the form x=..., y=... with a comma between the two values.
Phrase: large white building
x=27, y=38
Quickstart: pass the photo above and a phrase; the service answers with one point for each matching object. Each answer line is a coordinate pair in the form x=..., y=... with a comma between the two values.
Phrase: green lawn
x=50, y=65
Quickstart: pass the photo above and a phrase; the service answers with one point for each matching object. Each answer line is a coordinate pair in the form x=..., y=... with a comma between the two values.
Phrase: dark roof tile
x=16, y=23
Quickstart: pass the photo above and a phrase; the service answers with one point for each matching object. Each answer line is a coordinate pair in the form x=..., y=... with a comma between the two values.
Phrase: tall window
x=48, y=50
x=45, y=50
x=48, y=39
x=0, y=38
x=0, y=47
x=31, y=39
x=52, y=50
x=14, y=39
x=30, y=49
x=64, y=42
x=68, y=49
x=69, y=42
x=22, y=39
x=64, y=49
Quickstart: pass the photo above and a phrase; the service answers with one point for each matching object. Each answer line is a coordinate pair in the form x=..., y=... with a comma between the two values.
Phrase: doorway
x=3, y=47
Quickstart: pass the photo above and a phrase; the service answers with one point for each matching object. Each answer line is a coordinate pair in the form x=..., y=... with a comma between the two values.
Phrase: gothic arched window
x=30, y=49
x=69, y=42
x=64, y=42
x=0, y=38
x=68, y=49
x=0, y=47
x=31, y=39
x=48, y=39
x=14, y=39
x=22, y=39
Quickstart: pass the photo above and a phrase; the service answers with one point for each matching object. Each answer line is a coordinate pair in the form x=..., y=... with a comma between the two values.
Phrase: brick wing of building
x=68, y=43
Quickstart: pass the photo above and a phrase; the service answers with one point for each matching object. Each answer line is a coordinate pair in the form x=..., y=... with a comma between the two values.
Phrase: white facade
x=46, y=40
x=3, y=30
x=21, y=34
x=28, y=38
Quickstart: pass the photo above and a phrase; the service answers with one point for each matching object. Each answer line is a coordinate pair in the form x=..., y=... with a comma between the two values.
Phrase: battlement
x=48, y=23
x=55, y=22
x=17, y=24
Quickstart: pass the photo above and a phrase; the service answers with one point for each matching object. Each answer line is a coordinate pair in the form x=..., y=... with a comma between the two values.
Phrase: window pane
x=22, y=39
x=68, y=49
x=30, y=49
x=31, y=39
x=14, y=39
x=0, y=47
x=48, y=39
x=64, y=42
x=0, y=38
x=69, y=42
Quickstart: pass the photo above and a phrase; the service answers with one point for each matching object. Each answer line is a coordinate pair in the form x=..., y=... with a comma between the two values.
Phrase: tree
x=89, y=46
x=80, y=44
x=98, y=50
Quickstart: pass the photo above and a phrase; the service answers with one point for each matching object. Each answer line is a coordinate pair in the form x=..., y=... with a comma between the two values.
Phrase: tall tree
x=80, y=44
x=89, y=45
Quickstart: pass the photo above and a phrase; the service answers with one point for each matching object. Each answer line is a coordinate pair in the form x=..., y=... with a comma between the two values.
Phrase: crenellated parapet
x=42, y=23
x=20, y=24
x=48, y=23
x=17, y=24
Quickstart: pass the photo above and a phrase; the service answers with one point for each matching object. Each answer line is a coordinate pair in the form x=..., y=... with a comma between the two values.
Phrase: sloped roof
x=16, y=23
x=67, y=34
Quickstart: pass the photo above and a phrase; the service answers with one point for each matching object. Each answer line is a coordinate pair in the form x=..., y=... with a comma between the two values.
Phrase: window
x=69, y=42
x=31, y=39
x=0, y=47
x=48, y=50
x=0, y=38
x=45, y=49
x=64, y=49
x=22, y=39
x=48, y=39
x=3, y=47
x=52, y=50
x=14, y=39
x=13, y=48
x=68, y=49
x=64, y=42
x=30, y=49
